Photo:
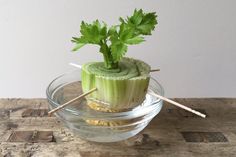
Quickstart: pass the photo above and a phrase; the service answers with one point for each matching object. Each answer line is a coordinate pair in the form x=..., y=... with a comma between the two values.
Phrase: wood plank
x=31, y=136
x=204, y=137
x=35, y=113
x=213, y=136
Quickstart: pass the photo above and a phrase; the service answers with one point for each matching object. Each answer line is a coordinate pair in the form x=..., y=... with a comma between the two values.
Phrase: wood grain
x=173, y=132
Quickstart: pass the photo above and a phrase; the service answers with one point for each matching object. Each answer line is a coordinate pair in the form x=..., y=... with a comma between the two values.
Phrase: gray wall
x=194, y=44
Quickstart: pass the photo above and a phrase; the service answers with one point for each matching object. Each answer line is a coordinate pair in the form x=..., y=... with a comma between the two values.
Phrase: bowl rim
x=110, y=115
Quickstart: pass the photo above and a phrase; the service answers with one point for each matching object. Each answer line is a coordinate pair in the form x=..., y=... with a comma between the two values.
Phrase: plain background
x=194, y=44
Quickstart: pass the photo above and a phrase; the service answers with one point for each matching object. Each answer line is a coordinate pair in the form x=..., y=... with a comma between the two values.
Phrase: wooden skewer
x=76, y=65
x=178, y=104
x=152, y=93
x=69, y=102
x=80, y=66
x=154, y=70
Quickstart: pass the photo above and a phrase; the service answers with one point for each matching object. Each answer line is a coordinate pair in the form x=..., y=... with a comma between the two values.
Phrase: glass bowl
x=96, y=125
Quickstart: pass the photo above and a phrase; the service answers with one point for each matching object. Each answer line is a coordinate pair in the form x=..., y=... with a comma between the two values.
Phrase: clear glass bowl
x=95, y=125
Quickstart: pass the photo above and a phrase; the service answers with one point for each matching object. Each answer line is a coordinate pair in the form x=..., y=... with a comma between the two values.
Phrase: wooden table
x=25, y=131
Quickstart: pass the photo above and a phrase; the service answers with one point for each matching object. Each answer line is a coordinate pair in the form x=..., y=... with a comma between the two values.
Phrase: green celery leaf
x=78, y=46
x=148, y=24
x=135, y=40
x=112, y=30
x=137, y=17
x=141, y=22
x=93, y=33
x=113, y=41
x=118, y=50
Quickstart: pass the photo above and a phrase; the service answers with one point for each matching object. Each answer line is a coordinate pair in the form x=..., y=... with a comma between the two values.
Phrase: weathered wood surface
x=172, y=133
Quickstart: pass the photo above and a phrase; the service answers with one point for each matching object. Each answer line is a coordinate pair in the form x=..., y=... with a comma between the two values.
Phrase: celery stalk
x=117, y=91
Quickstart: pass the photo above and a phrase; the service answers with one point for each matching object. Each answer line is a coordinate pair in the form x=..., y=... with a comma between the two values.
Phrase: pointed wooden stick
x=69, y=102
x=80, y=66
x=76, y=65
x=178, y=104
x=154, y=70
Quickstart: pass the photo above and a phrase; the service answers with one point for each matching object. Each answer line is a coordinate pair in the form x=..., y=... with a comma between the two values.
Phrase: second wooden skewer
x=151, y=92
x=178, y=104
x=154, y=70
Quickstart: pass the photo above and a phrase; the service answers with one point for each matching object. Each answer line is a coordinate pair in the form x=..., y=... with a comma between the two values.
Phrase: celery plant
x=121, y=82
